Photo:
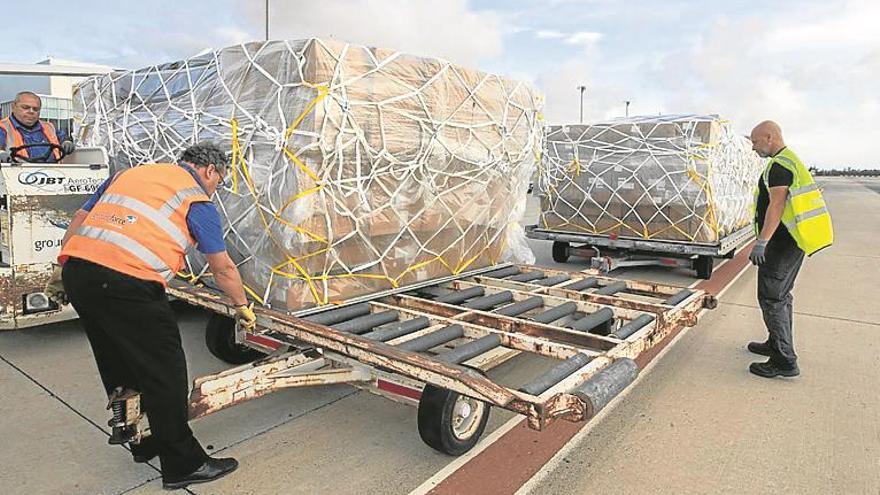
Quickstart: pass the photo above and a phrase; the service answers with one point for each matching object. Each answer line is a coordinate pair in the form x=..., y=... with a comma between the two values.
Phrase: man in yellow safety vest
x=791, y=220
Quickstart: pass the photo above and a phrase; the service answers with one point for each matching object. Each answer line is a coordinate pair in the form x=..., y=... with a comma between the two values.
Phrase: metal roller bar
x=389, y=332
x=338, y=315
x=432, y=291
x=489, y=301
x=556, y=374
x=587, y=283
x=556, y=313
x=460, y=296
x=681, y=296
x=433, y=339
x=595, y=321
x=363, y=323
x=556, y=279
x=605, y=385
x=633, y=326
x=471, y=350
x=611, y=289
x=504, y=272
x=521, y=307
x=527, y=277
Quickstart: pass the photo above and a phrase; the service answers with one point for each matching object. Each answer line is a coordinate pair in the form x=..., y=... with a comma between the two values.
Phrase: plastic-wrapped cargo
x=672, y=177
x=354, y=169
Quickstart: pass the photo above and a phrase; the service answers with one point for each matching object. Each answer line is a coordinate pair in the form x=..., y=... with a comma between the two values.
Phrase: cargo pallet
x=610, y=252
x=431, y=345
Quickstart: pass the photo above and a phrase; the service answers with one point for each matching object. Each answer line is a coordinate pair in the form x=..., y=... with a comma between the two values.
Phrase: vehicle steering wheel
x=14, y=156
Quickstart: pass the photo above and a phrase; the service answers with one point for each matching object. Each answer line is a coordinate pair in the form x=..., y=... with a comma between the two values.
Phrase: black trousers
x=136, y=342
x=775, y=281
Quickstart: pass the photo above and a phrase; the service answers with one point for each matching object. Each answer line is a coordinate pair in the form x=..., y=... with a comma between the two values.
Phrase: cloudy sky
x=812, y=65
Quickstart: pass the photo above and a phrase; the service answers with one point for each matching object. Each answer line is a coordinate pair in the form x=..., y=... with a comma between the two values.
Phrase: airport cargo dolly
x=431, y=345
x=610, y=252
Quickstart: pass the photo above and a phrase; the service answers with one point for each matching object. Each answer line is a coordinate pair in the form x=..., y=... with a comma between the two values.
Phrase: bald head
x=767, y=139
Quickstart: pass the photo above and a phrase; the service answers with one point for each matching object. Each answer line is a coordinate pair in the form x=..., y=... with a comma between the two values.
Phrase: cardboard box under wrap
x=673, y=177
x=354, y=169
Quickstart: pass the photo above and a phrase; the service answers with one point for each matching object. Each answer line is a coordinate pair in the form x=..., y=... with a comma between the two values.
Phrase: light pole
x=267, y=20
x=627, y=107
x=582, y=89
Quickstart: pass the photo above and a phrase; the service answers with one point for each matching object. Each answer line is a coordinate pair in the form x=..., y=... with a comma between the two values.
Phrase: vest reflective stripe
x=803, y=190
x=808, y=215
x=155, y=216
x=130, y=245
x=174, y=203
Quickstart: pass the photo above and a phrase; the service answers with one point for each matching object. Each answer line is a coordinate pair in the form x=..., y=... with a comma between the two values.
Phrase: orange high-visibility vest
x=15, y=139
x=138, y=227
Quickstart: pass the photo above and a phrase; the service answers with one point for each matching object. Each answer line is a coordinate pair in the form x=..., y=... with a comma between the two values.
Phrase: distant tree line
x=846, y=172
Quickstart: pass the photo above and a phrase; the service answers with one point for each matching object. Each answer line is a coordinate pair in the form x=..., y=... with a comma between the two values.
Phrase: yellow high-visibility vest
x=805, y=215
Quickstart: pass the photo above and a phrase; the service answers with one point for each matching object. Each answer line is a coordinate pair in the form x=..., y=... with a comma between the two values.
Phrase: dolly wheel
x=560, y=251
x=220, y=339
x=450, y=422
x=703, y=265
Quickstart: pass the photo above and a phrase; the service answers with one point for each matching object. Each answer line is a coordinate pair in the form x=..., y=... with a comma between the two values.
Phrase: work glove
x=757, y=256
x=68, y=147
x=245, y=317
x=55, y=288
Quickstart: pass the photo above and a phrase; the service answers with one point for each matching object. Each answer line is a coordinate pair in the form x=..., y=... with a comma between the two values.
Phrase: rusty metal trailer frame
x=591, y=368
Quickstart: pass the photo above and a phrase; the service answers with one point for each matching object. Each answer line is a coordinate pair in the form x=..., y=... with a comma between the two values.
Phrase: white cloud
x=449, y=29
x=549, y=34
x=583, y=38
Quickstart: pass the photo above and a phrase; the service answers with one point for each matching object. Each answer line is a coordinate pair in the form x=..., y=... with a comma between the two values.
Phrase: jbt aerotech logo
x=42, y=178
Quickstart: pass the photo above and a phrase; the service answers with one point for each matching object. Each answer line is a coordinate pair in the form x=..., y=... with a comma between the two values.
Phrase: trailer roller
x=521, y=307
x=611, y=289
x=587, y=283
x=395, y=330
x=339, y=315
x=554, y=280
x=490, y=301
x=364, y=323
x=599, y=322
x=607, y=384
x=556, y=313
x=527, y=277
x=632, y=327
x=433, y=339
x=681, y=296
x=556, y=374
x=460, y=296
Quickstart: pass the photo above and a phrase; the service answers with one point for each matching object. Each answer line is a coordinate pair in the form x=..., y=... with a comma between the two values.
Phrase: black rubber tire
x=220, y=339
x=703, y=265
x=560, y=251
x=435, y=422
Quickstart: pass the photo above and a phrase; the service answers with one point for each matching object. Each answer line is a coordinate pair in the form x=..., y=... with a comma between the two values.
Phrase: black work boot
x=761, y=348
x=145, y=451
x=211, y=470
x=772, y=369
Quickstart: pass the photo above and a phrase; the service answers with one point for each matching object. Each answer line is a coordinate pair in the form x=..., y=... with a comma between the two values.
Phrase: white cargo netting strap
x=353, y=169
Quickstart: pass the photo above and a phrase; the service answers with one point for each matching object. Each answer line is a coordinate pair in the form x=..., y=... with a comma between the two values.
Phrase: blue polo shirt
x=30, y=135
x=202, y=218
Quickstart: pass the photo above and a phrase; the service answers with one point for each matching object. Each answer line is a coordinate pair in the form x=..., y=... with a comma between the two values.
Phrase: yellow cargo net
x=681, y=177
x=352, y=169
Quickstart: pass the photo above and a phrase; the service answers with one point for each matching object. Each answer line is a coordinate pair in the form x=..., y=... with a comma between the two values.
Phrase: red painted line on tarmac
x=398, y=389
x=506, y=465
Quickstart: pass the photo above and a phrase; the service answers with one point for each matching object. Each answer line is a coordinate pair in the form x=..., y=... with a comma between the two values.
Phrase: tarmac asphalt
x=698, y=422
